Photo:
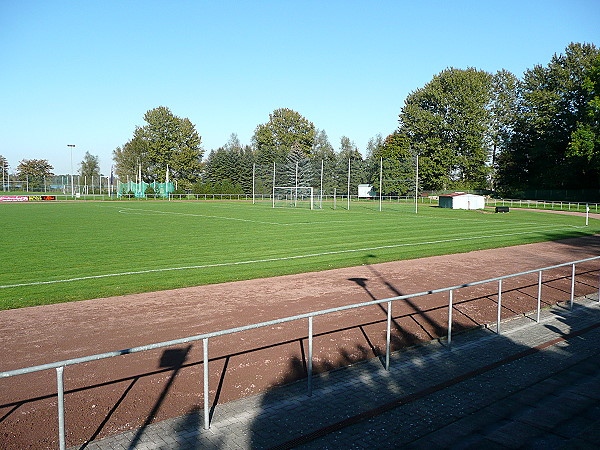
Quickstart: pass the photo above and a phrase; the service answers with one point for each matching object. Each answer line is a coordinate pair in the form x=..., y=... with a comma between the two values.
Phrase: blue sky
x=85, y=72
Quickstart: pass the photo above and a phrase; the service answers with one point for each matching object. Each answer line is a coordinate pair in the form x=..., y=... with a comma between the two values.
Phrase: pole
x=296, y=193
x=388, y=334
x=348, y=184
x=273, y=184
x=310, y=351
x=71, y=146
x=499, y=305
x=253, y=179
x=380, y=181
x=321, y=196
x=417, y=186
x=587, y=214
x=205, y=370
x=450, y=300
x=61, y=407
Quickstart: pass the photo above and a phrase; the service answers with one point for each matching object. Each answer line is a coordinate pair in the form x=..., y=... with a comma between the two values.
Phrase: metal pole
x=334, y=198
x=417, y=186
x=388, y=336
x=450, y=317
x=380, y=181
x=539, y=297
x=572, y=287
x=321, y=196
x=61, y=407
x=348, y=184
x=205, y=363
x=273, y=184
x=310, y=352
x=499, y=305
x=253, y=178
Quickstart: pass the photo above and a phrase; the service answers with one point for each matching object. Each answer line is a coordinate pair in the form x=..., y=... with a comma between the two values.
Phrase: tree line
x=469, y=128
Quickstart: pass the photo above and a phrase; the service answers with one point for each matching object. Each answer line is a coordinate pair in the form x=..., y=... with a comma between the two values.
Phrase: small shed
x=366, y=191
x=462, y=200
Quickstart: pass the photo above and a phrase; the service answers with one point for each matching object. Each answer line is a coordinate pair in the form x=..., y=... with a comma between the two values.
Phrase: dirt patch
x=113, y=395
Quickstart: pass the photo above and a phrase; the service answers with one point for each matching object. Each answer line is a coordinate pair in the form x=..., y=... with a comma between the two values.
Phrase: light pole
x=71, y=146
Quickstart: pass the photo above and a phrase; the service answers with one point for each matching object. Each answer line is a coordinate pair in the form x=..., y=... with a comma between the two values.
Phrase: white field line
x=138, y=211
x=144, y=212
x=284, y=258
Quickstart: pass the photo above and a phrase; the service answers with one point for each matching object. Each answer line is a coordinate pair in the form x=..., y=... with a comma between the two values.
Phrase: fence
x=544, y=204
x=59, y=366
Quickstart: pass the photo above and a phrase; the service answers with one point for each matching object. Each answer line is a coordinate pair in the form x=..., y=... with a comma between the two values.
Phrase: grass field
x=57, y=252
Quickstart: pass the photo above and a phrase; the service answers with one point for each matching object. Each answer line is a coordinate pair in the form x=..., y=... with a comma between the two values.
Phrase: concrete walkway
x=532, y=386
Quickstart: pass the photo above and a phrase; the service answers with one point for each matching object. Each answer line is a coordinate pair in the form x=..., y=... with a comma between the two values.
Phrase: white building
x=366, y=191
x=461, y=200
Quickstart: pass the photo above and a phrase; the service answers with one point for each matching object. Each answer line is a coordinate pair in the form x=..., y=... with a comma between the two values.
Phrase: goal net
x=295, y=197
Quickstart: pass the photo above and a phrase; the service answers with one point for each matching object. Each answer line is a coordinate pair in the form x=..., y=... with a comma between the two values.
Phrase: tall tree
x=34, y=171
x=448, y=122
x=585, y=139
x=231, y=162
x=166, y=139
x=90, y=166
x=285, y=129
x=394, y=162
x=132, y=157
x=553, y=101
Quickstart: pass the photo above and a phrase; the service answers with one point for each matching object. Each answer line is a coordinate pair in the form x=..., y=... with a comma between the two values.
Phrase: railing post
x=205, y=364
x=539, y=297
x=499, y=305
x=388, y=336
x=450, y=317
x=572, y=287
x=61, y=407
x=310, y=351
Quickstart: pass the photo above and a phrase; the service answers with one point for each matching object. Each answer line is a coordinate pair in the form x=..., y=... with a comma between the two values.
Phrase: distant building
x=461, y=200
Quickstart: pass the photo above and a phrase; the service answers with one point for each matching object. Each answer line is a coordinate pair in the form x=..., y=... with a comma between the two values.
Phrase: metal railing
x=545, y=204
x=59, y=366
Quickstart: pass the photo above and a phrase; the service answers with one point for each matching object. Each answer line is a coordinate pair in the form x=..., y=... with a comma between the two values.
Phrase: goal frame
x=294, y=193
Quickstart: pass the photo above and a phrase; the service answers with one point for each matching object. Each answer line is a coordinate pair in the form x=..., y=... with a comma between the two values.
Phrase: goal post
x=294, y=196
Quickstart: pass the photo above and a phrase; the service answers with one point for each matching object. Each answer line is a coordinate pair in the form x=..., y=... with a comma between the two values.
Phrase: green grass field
x=57, y=252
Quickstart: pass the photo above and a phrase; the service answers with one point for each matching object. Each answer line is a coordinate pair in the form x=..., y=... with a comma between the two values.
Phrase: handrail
x=141, y=348
x=60, y=365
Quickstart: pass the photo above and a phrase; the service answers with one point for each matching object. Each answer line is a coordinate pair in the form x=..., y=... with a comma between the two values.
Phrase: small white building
x=366, y=191
x=461, y=200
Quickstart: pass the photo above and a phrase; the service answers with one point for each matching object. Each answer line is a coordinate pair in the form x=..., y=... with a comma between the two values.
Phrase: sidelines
x=258, y=261
x=133, y=211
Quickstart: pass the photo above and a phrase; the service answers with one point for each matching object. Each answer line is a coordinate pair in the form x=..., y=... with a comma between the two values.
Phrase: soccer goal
x=294, y=196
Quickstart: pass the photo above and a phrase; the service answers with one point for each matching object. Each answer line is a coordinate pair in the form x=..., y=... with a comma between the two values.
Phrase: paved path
x=533, y=386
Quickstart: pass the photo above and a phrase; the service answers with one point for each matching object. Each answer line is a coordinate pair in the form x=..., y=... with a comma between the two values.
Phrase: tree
x=165, y=140
x=131, y=158
x=448, y=121
x=393, y=161
x=547, y=148
x=34, y=171
x=231, y=162
x=90, y=166
x=349, y=155
x=585, y=139
x=503, y=111
x=285, y=129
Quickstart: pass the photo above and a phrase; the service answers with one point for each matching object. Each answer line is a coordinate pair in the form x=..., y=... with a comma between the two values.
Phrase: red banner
x=14, y=198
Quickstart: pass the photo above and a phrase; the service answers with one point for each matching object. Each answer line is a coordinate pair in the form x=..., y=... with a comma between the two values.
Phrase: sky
x=84, y=73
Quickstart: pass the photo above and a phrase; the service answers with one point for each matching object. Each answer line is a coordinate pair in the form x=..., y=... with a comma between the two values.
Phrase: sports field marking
x=388, y=216
x=284, y=258
x=148, y=212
